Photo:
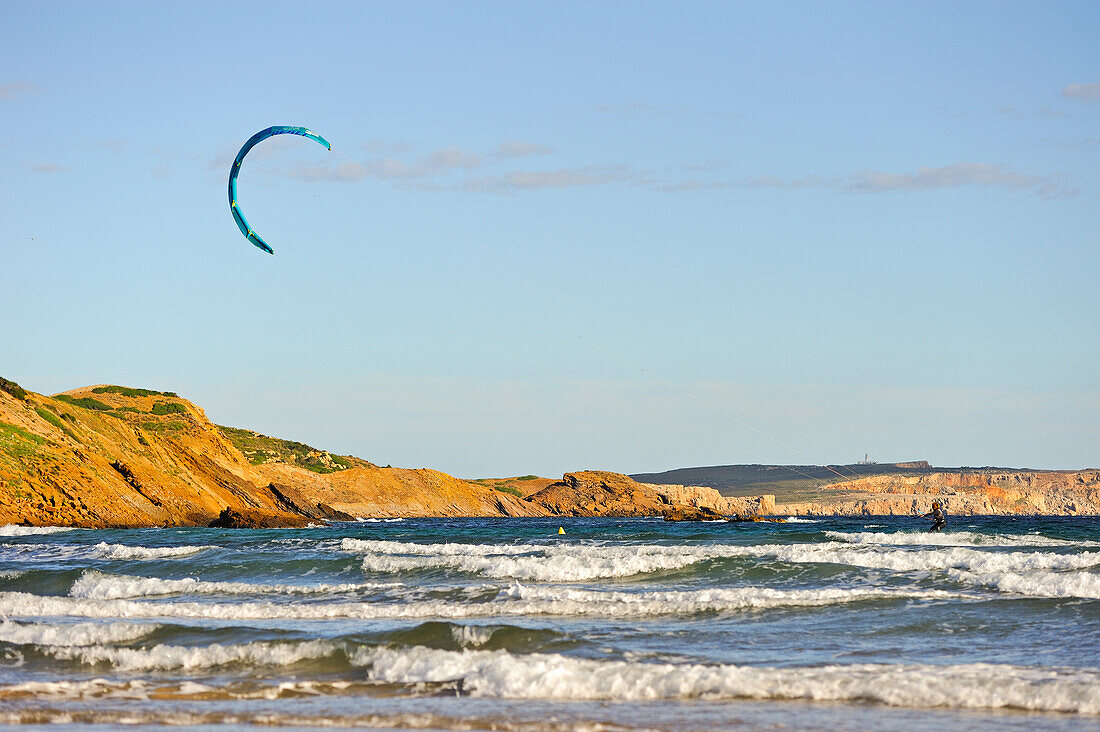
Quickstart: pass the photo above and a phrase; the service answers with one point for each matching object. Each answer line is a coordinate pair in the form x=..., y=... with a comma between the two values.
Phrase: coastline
x=110, y=457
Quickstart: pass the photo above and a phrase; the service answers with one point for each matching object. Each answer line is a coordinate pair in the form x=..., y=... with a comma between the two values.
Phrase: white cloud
x=1082, y=92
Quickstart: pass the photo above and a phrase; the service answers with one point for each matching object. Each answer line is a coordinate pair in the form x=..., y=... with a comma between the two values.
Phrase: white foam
x=103, y=550
x=573, y=562
x=514, y=601
x=378, y=520
x=800, y=520
x=1037, y=584
x=168, y=657
x=94, y=585
x=17, y=530
x=471, y=636
x=378, y=546
x=903, y=560
x=952, y=538
x=539, y=562
x=499, y=674
x=92, y=688
x=74, y=634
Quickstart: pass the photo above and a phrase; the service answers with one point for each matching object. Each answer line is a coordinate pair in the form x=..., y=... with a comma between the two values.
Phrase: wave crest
x=500, y=674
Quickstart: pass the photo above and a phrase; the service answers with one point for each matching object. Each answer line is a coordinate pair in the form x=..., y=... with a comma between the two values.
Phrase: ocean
x=502, y=624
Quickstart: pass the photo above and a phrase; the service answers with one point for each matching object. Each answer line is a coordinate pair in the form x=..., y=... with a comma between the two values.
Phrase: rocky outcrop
x=598, y=493
x=245, y=519
x=111, y=456
x=996, y=492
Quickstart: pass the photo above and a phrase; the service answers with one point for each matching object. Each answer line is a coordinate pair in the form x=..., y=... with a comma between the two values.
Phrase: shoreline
x=114, y=456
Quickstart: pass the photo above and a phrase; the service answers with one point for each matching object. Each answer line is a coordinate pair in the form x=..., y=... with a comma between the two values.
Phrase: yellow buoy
x=561, y=529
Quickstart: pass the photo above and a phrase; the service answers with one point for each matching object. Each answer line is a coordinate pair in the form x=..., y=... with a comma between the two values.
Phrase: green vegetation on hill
x=163, y=408
x=83, y=402
x=129, y=392
x=260, y=449
x=12, y=388
x=505, y=485
x=50, y=417
x=55, y=420
x=17, y=442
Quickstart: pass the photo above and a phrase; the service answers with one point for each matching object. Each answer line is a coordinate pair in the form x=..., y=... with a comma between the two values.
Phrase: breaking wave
x=582, y=562
x=550, y=676
x=103, y=550
x=94, y=585
x=185, y=658
x=516, y=600
x=951, y=538
x=44, y=552
x=75, y=634
x=17, y=530
x=1085, y=585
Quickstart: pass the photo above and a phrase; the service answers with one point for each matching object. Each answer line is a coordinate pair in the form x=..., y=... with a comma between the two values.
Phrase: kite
x=259, y=137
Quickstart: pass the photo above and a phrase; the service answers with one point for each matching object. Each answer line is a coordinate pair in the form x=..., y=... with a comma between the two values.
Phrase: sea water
x=833, y=623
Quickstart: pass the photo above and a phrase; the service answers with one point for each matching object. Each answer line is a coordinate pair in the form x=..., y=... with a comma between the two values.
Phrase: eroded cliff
x=115, y=456
x=598, y=493
x=974, y=492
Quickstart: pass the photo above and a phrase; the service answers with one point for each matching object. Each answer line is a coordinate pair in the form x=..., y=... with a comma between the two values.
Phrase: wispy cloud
x=14, y=89
x=48, y=167
x=516, y=181
x=955, y=175
x=1082, y=92
x=511, y=149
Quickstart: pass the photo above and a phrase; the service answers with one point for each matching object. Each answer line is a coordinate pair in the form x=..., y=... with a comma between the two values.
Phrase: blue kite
x=259, y=137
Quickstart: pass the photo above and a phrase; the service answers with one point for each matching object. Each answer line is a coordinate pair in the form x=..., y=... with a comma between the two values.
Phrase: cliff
x=115, y=456
x=597, y=493
x=975, y=492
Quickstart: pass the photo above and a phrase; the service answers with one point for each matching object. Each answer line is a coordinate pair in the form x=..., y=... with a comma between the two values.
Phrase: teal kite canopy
x=242, y=222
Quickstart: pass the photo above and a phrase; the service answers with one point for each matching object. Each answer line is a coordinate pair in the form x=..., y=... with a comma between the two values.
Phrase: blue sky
x=555, y=236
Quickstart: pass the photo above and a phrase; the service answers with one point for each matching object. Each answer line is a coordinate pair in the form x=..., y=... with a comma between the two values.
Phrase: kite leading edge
x=242, y=222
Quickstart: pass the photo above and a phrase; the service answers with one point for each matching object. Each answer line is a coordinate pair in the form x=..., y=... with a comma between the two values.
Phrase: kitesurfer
x=936, y=516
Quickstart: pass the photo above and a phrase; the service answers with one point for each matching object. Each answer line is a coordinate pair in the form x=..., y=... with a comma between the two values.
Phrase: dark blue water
x=504, y=623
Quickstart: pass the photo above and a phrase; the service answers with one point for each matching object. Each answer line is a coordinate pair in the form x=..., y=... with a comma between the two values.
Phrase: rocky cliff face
x=597, y=493
x=1063, y=493
x=112, y=456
